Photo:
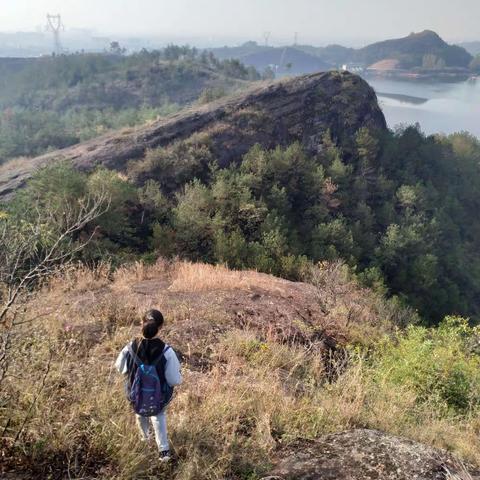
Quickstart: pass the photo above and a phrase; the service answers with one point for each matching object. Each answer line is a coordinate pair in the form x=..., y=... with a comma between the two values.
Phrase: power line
x=266, y=36
x=55, y=25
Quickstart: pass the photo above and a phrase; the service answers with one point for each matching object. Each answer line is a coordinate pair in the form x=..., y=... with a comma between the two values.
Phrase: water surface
x=437, y=107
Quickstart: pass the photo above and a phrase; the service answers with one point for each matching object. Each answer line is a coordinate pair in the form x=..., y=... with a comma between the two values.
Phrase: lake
x=437, y=107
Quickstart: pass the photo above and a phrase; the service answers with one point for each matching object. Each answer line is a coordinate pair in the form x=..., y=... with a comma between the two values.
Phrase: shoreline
x=403, y=98
x=413, y=76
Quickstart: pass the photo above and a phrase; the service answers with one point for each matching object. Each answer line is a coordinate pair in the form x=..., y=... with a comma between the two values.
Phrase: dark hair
x=154, y=316
x=149, y=329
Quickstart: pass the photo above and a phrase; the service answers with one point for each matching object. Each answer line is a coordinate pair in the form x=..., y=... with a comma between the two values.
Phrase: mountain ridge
x=279, y=113
x=410, y=50
x=415, y=45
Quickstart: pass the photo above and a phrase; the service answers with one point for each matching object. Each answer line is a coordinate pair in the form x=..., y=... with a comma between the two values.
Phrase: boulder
x=367, y=455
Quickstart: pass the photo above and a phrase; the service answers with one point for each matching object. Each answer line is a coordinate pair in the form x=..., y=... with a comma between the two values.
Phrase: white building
x=353, y=67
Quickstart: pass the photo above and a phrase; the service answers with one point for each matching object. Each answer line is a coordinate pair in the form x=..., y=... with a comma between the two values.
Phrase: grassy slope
x=255, y=372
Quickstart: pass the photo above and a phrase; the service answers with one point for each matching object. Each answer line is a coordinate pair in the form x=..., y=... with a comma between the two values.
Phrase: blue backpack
x=148, y=393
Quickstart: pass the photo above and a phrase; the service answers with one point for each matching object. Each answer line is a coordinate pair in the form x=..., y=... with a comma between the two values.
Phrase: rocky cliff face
x=300, y=109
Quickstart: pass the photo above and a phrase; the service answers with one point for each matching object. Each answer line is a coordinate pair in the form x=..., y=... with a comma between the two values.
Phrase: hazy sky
x=315, y=20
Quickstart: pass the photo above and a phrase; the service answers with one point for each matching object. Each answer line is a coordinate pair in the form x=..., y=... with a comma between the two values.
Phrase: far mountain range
x=424, y=50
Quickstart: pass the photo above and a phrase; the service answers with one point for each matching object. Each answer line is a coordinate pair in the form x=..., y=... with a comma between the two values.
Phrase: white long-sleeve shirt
x=172, y=365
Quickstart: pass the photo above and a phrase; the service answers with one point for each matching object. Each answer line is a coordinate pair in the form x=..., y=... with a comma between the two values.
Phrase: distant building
x=353, y=67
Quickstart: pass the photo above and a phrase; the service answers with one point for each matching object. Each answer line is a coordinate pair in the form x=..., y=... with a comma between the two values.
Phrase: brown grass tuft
x=15, y=164
x=198, y=277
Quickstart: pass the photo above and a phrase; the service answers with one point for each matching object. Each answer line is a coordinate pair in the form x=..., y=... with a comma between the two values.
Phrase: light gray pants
x=159, y=424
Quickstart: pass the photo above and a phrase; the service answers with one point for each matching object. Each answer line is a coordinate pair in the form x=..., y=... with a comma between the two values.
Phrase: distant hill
x=425, y=49
x=411, y=51
x=332, y=54
x=282, y=60
x=286, y=60
x=247, y=48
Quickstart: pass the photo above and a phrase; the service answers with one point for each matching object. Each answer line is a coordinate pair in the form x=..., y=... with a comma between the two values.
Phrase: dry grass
x=462, y=474
x=245, y=392
x=138, y=271
x=81, y=278
x=19, y=163
x=199, y=277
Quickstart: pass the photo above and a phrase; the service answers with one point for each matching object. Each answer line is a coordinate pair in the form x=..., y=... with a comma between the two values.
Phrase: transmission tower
x=266, y=36
x=55, y=25
x=295, y=41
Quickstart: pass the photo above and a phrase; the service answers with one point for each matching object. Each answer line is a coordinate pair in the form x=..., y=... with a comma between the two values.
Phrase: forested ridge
x=57, y=101
x=401, y=211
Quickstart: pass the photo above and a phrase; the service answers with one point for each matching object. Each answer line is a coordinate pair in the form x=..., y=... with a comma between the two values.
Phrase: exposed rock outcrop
x=300, y=109
x=367, y=455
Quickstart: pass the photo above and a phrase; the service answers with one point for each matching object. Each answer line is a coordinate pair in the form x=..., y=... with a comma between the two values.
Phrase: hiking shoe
x=165, y=456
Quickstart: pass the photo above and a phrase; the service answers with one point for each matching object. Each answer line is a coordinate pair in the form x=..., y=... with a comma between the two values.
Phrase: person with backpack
x=152, y=370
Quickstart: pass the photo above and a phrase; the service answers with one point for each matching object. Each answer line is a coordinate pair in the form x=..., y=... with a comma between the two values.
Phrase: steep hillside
x=300, y=109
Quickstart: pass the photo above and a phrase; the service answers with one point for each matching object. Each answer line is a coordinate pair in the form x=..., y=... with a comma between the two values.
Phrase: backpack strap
x=134, y=355
x=159, y=359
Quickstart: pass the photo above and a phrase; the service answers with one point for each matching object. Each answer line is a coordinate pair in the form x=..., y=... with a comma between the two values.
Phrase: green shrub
x=439, y=365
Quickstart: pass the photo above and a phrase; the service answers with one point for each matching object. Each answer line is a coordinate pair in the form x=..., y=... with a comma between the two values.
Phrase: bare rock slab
x=367, y=455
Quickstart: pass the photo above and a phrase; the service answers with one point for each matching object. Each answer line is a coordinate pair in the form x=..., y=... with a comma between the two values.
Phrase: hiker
x=152, y=370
